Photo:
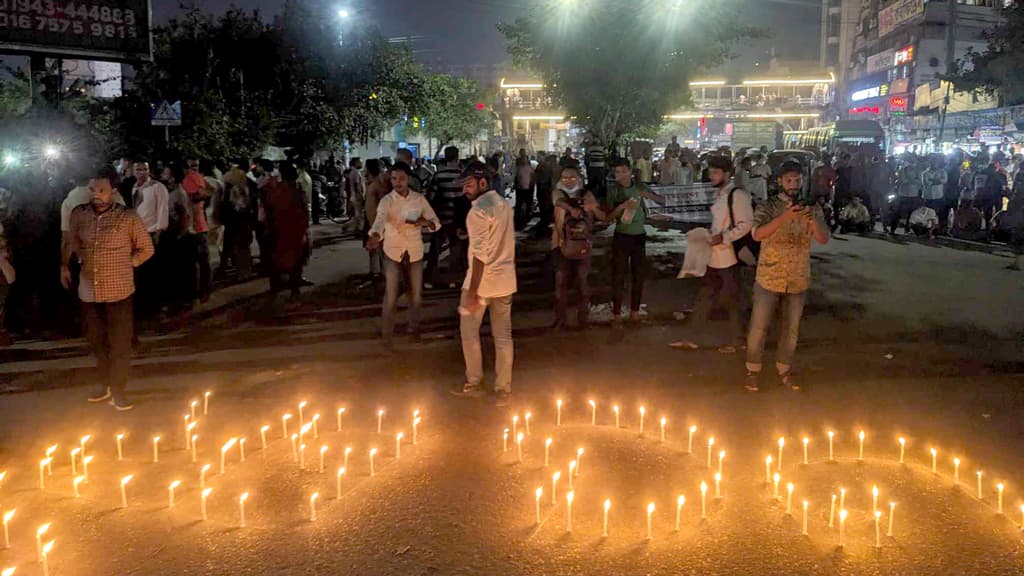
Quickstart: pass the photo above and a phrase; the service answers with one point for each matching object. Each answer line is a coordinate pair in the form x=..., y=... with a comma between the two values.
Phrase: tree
x=620, y=67
x=997, y=69
x=452, y=109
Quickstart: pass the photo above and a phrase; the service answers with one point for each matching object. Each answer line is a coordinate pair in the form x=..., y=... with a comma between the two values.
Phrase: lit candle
x=643, y=412
x=768, y=469
x=519, y=446
x=373, y=452
x=224, y=451
x=860, y=454
x=568, y=513
x=526, y=420
x=547, y=450
x=202, y=501
x=340, y=412
x=85, y=467
x=874, y=499
x=593, y=412
x=398, y=445
x=47, y=548
x=74, y=461
x=295, y=448
x=170, y=492
x=206, y=403
x=42, y=472
x=615, y=409
x=579, y=460
x=572, y=472
x=380, y=419
x=74, y=485
x=202, y=475
x=663, y=422
x=842, y=498
x=8, y=571
x=538, y=493
x=241, y=509
x=903, y=445
x=302, y=456
x=312, y=506
x=83, y=441
x=415, y=425
x=1022, y=517
x=608, y=505
x=124, y=491
x=878, y=529
x=680, y=501
x=979, y=485
x=775, y=478
x=192, y=408
x=689, y=441
x=650, y=513
x=156, y=449
x=956, y=471
x=554, y=486
x=284, y=425
x=341, y=472
x=302, y=419
x=303, y=430
x=804, y=530
x=40, y=532
x=188, y=431
x=832, y=512
x=789, y=499
x=721, y=457
x=703, y=499
x=842, y=524
x=515, y=425
x=806, y=442
x=718, y=485
x=711, y=444
x=1000, y=488
x=7, y=520
x=504, y=440
x=323, y=450
x=316, y=430
x=348, y=450
x=831, y=437
x=558, y=412
x=195, y=439
x=935, y=454
x=782, y=444
x=241, y=449
x=892, y=511
x=120, y=456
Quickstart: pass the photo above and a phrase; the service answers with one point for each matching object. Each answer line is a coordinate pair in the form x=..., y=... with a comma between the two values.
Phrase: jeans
x=628, y=251
x=501, y=331
x=294, y=279
x=458, y=248
x=722, y=284
x=524, y=207
x=108, y=328
x=566, y=270
x=765, y=303
x=393, y=272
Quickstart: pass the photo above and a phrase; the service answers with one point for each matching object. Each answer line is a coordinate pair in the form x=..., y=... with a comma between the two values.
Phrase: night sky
x=463, y=31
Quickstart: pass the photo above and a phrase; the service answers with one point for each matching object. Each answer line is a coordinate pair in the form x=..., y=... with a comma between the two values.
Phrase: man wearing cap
x=490, y=282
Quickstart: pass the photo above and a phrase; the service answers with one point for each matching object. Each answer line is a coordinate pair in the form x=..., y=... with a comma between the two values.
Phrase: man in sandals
x=784, y=225
x=732, y=215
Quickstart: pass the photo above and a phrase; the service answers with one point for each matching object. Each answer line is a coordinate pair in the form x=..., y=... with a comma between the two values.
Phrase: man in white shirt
x=401, y=218
x=923, y=220
x=150, y=201
x=729, y=223
x=490, y=282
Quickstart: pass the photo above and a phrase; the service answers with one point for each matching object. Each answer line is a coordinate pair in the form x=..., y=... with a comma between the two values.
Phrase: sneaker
x=103, y=396
x=469, y=391
x=502, y=397
x=121, y=405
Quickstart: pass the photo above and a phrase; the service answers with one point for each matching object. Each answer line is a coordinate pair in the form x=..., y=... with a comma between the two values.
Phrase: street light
x=344, y=13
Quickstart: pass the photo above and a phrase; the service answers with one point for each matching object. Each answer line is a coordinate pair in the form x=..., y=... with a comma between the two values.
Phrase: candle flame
x=380, y=412
x=643, y=410
x=9, y=514
x=341, y=472
x=842, y=515
x=776, y=477
x=316, y=417
x=806, y=440
x=229, y=445
x=43, y=529
x=286, y=416
x=721, y=455
x=87, y=459
x=174, y=484
x=877, y=514
x=48, y=547
x=399, y=436
x=207, y=492
x=519, y=438
x=85, y=438
x=711, y=441
x=207, y=394
x=373, y=452
x=592, y=403
x=556, y=476
x=243, y=497
x=903, y=440
x=615, y=408
x=127, y=479
x=119, y=437
x=608, y=504
x=782, y=441
x=528, y=415
x=547, y=442
x=1000, y=486
x=680, y=500
x=348, y=450
x=831, y=434
x=539, y=492
x=51, y=450
x=956, y=461
x=579, y=452
x=559, y=402
x=934, y=451
x=703, y=487
x=861, y=435
x=768, y=460
x=8, y=571
x=663, y=421
x=650, y=507
x=718, y=477
x=205, y=468
x=342, y=411
x=306, y=428
x=78, y=480
x=323, y=449
x=570, y=496
x=874, y=490
x=303, y=404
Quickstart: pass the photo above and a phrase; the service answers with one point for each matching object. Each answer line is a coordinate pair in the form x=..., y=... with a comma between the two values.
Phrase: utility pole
x=950, y=66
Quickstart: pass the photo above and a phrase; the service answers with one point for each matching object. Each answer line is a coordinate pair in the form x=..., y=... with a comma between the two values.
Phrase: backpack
x=747, y=241
x=576, y=243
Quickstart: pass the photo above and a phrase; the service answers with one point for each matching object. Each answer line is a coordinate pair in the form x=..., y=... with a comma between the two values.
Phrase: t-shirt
x=784, y=265
x=449, y=202
x=617, y=195
x=923, y=216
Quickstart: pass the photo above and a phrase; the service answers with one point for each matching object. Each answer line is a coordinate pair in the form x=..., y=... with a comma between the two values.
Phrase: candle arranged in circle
x=860, y=453
x=806, y=441
x=903, y=445
x=650, y=514
x=170, y=492
x=689, y=440
x=124, y=491
x=607, y=506
x=337, y=485
x=241, y=508
x=831, y=437
x=558, y=412
x=568, y=510
x=538, y=493
x=680, y=501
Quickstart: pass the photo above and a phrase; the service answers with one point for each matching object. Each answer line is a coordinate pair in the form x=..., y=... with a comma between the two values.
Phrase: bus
x=843, y=134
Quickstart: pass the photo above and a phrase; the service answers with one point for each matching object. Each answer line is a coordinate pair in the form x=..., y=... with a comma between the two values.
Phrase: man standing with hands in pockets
x=490, y=282
x=401, y=218
x=784, y=226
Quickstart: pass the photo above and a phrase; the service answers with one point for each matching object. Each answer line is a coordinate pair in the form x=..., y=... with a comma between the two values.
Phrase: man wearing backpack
x=732, y=215
x=571, y=243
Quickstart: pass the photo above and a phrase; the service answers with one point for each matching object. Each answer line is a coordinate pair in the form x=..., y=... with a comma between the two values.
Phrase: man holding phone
x=784, y=226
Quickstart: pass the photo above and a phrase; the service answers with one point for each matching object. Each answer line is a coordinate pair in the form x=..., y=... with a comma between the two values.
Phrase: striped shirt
x=109, y=246
x=449, y=202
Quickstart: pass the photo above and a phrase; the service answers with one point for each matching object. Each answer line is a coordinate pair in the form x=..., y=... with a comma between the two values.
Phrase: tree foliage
x=997, y=69
x=449, y=110
x=618, y=67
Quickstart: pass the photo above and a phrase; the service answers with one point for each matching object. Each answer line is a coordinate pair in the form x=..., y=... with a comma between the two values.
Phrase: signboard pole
x=167, y=137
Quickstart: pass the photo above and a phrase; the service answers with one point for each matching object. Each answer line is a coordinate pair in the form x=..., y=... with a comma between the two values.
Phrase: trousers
x=629, y=252
x=765, y=303
x=501, y=331
x=108, y=328
x=393, y=273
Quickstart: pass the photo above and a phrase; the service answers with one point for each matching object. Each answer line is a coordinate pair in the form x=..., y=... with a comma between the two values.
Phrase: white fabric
x=401, y=237
x=924, y=216
x=492, y=241
x=723, y=255
x=79, y=195
x=698, y=254
x=153, y=206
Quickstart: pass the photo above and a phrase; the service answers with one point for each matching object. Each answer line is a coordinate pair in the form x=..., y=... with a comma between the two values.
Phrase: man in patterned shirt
x=110, y=241
x=784, y=227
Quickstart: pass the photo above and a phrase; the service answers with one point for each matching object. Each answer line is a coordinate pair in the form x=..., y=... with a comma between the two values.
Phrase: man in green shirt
x=628, y=211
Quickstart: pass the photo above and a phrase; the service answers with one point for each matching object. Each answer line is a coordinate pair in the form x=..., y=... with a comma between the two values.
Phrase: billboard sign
x=880, y=61
x=164, y=113
x=869, y=93
x=897, y=14
x=117, y=30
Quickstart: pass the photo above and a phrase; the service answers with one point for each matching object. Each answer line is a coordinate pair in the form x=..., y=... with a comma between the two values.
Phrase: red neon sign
x=865, y=110
x=898, y=103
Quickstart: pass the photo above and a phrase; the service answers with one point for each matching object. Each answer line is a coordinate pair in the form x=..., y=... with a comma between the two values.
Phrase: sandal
x=787, y=380
x=684, y=345
x=751, y=384
x=727, y=349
